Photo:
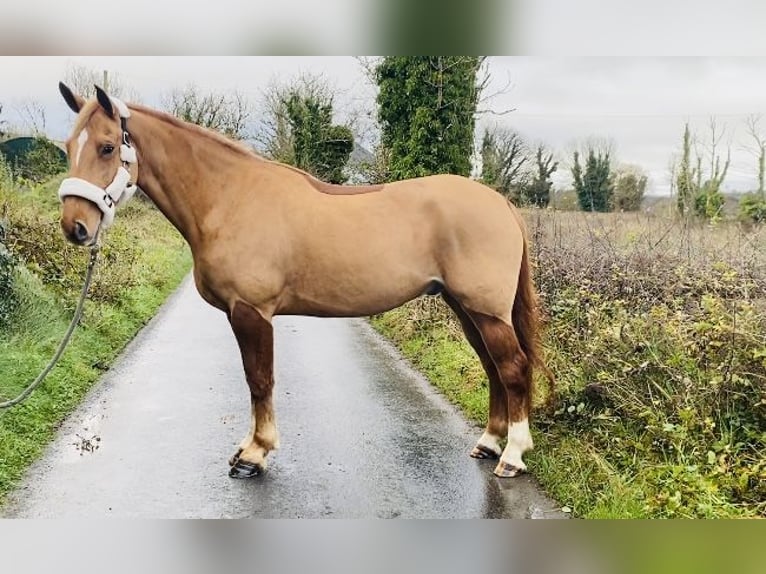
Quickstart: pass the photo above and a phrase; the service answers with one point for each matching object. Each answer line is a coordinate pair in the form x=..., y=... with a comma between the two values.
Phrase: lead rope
x=75, y=320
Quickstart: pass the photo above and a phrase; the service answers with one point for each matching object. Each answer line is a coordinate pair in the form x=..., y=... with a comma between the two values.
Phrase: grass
x=656, y=331
x=143, y=260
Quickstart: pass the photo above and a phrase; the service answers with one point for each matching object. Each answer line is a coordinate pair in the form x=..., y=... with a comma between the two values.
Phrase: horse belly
x=355, y=291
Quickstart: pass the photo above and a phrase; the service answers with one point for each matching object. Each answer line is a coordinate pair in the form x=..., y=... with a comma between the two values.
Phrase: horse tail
x=526, y=316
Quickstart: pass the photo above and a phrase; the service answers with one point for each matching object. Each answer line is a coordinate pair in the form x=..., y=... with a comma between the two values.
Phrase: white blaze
x=81, y=141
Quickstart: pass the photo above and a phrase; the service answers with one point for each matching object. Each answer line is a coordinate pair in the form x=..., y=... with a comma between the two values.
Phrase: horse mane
x=199, y=130
x=241, y=149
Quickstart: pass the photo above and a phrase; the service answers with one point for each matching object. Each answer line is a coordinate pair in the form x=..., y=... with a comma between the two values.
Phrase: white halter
x=117, y=192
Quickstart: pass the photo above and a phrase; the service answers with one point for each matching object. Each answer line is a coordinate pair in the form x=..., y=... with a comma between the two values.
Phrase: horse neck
x=181, y=186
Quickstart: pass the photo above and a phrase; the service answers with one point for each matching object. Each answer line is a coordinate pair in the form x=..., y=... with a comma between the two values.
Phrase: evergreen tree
x=320, y=147
x=687, y=190
x=537, y=191
x=426, y=108
x=594, y=185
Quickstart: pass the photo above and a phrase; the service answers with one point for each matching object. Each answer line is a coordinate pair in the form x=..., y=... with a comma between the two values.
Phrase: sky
x=639, y=104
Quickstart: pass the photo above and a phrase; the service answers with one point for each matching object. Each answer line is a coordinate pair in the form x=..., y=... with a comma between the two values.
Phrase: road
x=362, y=434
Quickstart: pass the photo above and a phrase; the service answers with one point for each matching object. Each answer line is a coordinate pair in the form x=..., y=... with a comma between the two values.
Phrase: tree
x=228, y=114
x=594, y=186
x=537, y=189
x=752, y=206
x=320, y=147
x=427, y=112
x=629, y=188
x=709, y=201
x=504, y=158
x=297, y=128
x=34, y=159
x=377, y=169
x=3, y=124
x=32, y=114
x=698, y=194
x=82, y=80
x=759, y=151
x=685, y=176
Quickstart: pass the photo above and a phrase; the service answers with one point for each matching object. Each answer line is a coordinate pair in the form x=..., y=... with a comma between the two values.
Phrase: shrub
x=7, y=267
x=629, y=188
x=36, y=240
x=752, y=208
x=656, y=332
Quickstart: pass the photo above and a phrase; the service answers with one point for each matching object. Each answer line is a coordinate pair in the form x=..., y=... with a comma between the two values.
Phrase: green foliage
x=319, y=147
x=504, y=157
x=752, y=208
x=536, y=191
x=36, y=239
x=34, y=160
x=704, y=200
x=426, y=108
x=655, y=331
x=3, y=123
x=133, y=283
x=629, y=188
x=685, y=177
x=594, y=187
x=7, y=268
x=708, y=203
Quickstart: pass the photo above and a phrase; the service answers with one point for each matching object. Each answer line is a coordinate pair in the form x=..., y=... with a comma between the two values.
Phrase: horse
x=269, y=239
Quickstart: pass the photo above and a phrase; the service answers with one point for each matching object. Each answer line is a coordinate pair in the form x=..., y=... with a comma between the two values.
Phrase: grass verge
x=142, y=261
x=656, y=332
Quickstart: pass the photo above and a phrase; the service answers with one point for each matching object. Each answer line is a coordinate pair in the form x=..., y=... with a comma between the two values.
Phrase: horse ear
x=74, y=101
x=105, y=101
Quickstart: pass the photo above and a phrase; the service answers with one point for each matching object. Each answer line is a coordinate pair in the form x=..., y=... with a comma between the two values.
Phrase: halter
x=120, y=190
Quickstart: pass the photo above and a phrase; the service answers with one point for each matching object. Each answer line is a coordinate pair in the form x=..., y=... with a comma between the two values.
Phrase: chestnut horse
x=269, y=239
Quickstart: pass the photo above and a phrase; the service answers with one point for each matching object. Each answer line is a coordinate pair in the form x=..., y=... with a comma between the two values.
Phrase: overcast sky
x=640, y=104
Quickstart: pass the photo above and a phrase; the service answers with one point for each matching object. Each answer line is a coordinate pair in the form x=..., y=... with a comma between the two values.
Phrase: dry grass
x=656, y=331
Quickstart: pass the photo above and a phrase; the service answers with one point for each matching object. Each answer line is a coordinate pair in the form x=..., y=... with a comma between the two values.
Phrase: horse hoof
x=505, y=470
x=483, y=452
x=235, y=457
x=242, y=469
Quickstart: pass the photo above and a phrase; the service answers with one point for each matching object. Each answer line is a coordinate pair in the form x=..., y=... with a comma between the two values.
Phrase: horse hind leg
x=255, y=336
x=515, y=373
x=488, y=446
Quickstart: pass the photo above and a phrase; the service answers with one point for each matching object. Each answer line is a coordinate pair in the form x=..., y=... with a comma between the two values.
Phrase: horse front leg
x=255, y=336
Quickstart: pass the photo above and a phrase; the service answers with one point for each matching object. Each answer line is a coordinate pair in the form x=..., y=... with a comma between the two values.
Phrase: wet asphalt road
x=362, y=434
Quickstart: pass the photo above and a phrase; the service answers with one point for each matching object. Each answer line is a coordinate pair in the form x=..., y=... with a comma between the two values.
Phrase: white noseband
x=117, y=192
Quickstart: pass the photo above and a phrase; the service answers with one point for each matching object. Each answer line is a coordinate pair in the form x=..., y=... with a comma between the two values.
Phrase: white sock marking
x=519, y=441
x=490, y=441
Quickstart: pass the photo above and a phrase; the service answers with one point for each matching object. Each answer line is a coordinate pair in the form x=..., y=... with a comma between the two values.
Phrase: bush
x=752, y=208
x=36, y=239
x=7, y=267
x=629, y=188
x=656, y=332
x=708, y=204
x=34, y=159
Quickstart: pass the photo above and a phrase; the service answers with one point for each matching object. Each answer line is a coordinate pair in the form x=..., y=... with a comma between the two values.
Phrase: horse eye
x=107, y=149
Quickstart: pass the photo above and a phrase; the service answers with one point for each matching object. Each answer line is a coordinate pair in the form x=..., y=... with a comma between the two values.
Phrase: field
x=143, y=259
x=656, y=331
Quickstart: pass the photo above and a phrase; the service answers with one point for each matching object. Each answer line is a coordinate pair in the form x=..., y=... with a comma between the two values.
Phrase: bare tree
x=228, y=114
x=3, y=123
x=82, y=80
x=698, y=189
x=759, y=150
x=505, y=158
x=32, y=115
